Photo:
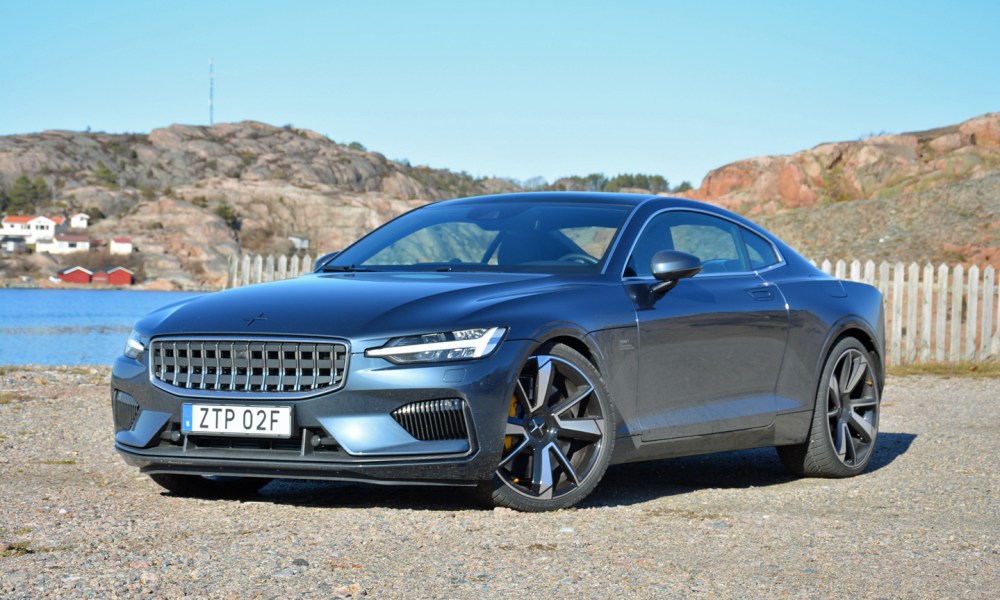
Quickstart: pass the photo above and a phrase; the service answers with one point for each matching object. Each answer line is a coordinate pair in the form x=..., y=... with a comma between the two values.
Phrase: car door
x=710, y=349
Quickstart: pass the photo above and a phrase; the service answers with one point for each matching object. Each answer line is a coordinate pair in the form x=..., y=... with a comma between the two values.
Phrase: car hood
x=364, y=306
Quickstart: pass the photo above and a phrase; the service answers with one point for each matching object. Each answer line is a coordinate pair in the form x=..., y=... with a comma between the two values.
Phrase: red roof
x=28, y=219
x=122, y=240
x=113, y=269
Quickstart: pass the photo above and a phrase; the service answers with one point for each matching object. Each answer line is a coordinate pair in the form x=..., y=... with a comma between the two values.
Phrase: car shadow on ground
x=635, y=483
x=623, y=485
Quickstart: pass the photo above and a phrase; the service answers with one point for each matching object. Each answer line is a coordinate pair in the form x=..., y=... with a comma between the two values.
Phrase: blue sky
x=515, y=89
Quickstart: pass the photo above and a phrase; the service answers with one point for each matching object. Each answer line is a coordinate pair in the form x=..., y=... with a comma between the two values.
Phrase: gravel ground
x=922, y=522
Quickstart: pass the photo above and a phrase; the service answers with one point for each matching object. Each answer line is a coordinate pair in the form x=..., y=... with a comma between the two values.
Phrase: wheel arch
x=858, y=329
x=574, y=337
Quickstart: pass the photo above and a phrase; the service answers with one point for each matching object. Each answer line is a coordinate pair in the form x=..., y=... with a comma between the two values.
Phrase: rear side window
x=759, y=250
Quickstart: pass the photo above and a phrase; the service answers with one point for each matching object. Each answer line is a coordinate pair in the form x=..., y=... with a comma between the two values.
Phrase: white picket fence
x=249, y=269
x=946, y=314
x=943, y=314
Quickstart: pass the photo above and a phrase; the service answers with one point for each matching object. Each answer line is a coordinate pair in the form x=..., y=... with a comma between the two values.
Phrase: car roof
x=566, y=197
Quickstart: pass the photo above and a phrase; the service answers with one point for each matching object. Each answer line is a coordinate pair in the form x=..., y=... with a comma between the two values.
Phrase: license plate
x=226, y=419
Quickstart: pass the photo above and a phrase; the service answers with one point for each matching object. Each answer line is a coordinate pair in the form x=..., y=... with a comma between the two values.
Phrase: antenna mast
x=211, y=93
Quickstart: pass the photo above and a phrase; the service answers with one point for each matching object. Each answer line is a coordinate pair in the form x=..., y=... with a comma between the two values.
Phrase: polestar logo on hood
x=250, y=321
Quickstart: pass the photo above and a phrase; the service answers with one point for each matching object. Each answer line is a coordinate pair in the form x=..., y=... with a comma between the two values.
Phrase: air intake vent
x=286, y=368
x=125, y=410
x=432, y=420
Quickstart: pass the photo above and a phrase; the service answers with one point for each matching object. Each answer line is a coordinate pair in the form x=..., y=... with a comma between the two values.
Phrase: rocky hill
x=922, y=196
x=191, y=196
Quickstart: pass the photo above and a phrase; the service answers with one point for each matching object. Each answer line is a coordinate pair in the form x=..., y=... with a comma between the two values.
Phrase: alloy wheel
x=555, y=432
x=852, y=408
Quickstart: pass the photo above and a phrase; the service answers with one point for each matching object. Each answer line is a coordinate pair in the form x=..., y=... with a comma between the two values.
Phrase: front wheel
x=845, y=421
x=559, y=435
x=196, y=486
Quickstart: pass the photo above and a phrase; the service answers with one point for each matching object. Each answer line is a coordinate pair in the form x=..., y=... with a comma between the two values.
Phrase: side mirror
x=670, y=266
x=323, y=260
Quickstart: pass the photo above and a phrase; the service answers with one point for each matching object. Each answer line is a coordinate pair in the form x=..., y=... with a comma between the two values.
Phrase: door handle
x=761, y=293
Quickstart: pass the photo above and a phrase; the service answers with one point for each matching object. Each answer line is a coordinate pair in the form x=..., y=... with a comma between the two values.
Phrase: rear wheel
x=197, y=486
x=559, y=434
x=845, y=421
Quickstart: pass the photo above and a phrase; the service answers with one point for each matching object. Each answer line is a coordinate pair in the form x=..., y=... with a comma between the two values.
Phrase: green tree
x=23, y=197
x=653, y=183
x=684, y=187
x=357, y=146
x=228, y=213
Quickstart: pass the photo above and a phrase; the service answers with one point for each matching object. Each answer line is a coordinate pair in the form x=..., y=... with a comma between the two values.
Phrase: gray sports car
x=516, y=344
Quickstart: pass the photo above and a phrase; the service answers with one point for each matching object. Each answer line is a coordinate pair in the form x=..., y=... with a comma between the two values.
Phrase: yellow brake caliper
x=508, y=440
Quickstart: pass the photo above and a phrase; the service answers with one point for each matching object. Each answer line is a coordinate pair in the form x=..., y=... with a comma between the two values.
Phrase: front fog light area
x=439, y=347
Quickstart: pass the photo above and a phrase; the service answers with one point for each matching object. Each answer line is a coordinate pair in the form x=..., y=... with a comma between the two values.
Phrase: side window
x=712, y=240
x=760, y=252
x=721, y=245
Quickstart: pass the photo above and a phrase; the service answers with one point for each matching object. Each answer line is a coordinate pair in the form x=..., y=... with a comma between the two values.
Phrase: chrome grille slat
x=213, y=365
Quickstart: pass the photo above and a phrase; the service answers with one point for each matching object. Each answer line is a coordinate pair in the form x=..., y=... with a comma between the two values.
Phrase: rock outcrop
x=928, y=196
x=191, y=196
x=882, y=166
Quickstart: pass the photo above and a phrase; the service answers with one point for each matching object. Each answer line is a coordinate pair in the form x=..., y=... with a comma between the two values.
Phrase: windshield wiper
x=345, y=269
x=460, y=268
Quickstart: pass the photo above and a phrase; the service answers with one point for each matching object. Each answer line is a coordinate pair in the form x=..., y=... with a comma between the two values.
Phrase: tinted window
x=447, y=242
x=721, y=245
x=760, y=252
x=508, y=237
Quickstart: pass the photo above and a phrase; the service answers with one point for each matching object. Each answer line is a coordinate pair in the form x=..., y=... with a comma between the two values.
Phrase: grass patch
x=962, y=369
x=17, y=549
x=59, y=462
x=22, y=548
x=10, y=397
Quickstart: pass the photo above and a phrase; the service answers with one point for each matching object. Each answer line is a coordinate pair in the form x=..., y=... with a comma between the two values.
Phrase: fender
x=848, y=323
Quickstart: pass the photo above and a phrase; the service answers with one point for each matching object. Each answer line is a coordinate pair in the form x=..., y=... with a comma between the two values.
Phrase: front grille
x=125, y=410
x=254, y=366
x=432, y=420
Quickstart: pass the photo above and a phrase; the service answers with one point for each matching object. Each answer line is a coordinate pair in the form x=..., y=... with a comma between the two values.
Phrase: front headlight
x=437, y=347
x=135, y=345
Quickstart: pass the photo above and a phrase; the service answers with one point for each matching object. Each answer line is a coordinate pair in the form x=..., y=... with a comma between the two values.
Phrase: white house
x=64, y=244
x=79, y=221
x=299, y=242
x=33, y=228
x=120, y=245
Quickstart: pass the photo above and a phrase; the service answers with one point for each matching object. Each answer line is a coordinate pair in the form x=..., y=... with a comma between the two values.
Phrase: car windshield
x=555, y=237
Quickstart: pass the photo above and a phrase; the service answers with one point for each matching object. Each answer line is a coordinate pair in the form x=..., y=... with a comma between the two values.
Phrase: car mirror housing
x=670, y=266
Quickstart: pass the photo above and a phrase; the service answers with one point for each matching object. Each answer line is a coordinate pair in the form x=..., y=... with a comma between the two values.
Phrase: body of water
x=72, y=327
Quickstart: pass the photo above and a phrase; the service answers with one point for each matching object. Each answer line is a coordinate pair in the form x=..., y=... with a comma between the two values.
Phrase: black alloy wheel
x=559, y=434
x=845, y=423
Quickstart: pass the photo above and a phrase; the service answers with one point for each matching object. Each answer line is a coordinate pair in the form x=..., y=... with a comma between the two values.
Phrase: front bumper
x=359, y=439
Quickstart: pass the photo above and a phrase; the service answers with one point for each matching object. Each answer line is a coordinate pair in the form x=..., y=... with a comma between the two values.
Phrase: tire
x=845, y=420
x=559, y=437
x=196, y=486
